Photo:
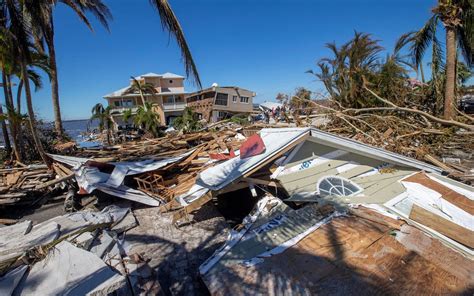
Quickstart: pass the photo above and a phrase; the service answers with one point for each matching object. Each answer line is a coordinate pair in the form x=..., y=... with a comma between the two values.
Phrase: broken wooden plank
x=443, y=226
x=261, y=182
x=55, y=181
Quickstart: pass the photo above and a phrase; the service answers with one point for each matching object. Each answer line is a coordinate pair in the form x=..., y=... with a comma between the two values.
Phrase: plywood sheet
x=348, y=256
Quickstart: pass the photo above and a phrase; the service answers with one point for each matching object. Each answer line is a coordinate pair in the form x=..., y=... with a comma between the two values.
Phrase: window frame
x=248, y=100
x=217, y=97
x=342, y=179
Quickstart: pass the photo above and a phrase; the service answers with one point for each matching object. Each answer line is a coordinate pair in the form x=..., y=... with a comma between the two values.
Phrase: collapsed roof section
x=317, y=169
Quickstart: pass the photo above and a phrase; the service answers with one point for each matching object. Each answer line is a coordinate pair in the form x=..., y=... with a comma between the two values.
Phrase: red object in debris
x=82, y=191
x=253, y=146
x=222, y=156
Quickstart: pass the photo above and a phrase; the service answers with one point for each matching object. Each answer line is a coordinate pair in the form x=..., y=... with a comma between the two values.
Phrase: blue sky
x=264, y=46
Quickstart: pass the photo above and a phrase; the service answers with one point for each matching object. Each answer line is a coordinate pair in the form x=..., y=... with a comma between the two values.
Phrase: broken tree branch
x=427, y=115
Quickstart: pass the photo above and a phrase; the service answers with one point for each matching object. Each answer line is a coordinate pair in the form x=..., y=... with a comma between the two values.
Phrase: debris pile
x=24, y=185
x=311, y=192
x=409, y=131
x=82, y=253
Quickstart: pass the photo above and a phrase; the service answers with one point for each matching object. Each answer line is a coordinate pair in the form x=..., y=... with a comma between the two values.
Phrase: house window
x=234, y=99
x=168, y=100
x=244, y=100
x=337, y=186
x=221, y=99
x=127, y=103
x=208, y=95
x=124, y=103
x=171, y=81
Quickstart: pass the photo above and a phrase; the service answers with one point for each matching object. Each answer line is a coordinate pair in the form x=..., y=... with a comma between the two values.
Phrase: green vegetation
x=102, y=114
x=187, y=122
x=27, y=43
x=142, y=89
x=359, y=63
x=148, y=119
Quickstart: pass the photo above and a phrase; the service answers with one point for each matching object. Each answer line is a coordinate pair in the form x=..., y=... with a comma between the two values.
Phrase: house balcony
x=119, y=110
x=176, y=106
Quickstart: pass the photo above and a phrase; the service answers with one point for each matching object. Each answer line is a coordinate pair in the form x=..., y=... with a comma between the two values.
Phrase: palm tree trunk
x=58, y=124
x=450, y=72
x=12, y=125
x=18, y=96
x=422, y=73
x=6, y=138
x=31, y=114
x=9, y=88
x=143, y=99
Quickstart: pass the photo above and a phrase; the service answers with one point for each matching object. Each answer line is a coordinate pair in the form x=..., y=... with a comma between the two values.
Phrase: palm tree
x=142, y=89
x=19, y=34
x=10, y=66
x=344, y=74
x=457, y=19
x=127, y=115
x=105, y=119
x=148, y=119
x=187, y=122
x=42, y=21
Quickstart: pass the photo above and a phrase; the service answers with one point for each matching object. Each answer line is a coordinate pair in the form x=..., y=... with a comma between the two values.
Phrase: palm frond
x=35, y=78
x=422, y=39
x=465, y=33
x=402, y=41
x=171, y=24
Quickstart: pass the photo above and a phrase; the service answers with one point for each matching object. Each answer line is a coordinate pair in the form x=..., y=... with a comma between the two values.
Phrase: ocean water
x=73, y=128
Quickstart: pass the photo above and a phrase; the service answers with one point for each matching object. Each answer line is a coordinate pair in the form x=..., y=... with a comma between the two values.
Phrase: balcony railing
x=174, y=106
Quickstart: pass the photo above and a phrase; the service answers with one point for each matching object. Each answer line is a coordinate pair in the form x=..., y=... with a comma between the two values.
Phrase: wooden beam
x=443, y=226
x=55, y=181
x=261, y=182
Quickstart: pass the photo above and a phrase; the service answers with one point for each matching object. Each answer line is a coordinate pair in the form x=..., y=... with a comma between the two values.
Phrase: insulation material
x=433, y=202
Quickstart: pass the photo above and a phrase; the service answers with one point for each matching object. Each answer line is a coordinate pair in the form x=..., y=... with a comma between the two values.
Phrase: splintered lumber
x=443, y=226
x=55, y=181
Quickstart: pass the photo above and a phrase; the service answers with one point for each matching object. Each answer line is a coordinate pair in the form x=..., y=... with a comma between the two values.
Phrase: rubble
x=348, y=206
